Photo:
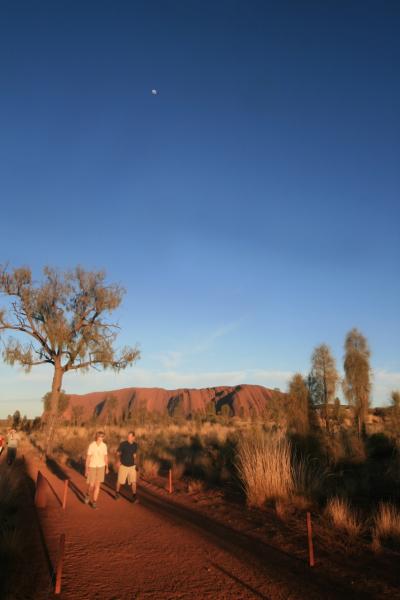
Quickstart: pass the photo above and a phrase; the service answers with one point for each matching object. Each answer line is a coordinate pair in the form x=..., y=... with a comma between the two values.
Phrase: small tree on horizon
x=77, y=411
x=324, y=379
x=299, y=403
x=65, y=320
x=395, y=399
x=395, y=411
x=357, y=379
x=16, y=419
x=63, y=402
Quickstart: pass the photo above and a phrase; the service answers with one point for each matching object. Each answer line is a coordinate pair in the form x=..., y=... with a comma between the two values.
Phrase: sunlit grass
x=265, y=469
x=150, y=468
x=386, y=524
x=343, y=516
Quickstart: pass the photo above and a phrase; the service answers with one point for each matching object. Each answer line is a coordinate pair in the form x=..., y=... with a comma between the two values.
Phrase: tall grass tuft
x=150, y=468
x=309, y=479
x=339, y=511
x=386, y=524
x=264, y=467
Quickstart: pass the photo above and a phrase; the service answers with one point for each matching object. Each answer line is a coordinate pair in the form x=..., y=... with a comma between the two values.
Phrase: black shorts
x=11, y=455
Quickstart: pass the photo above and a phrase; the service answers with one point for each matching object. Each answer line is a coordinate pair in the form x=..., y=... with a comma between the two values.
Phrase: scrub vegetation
x=306, y=451
x=352, y=483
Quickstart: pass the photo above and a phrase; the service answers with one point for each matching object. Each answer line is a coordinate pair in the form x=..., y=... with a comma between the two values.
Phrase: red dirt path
x=160, y=550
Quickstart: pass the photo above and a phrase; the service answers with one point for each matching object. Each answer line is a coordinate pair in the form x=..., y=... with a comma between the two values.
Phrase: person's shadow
x=59, y=472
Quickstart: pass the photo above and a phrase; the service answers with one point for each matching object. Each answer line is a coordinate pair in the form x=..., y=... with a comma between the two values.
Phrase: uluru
x=241, y=400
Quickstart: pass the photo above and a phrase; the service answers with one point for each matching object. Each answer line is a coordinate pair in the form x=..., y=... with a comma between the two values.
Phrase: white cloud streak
x=172, y=359
x=384, y=382
x=220, y=332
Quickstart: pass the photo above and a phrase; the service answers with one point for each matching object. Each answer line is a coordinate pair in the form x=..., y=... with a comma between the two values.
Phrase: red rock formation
x=242, y=400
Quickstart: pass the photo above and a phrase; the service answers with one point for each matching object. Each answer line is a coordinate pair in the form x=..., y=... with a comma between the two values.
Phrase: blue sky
x=250, y=209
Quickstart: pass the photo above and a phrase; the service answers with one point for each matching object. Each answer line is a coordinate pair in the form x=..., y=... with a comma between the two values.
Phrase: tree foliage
x=323, y=378
x=395, y=412
x=299, y=401
x=395, y=398
x=65, y=319
x=16, y=418
x=63, y=402
x=357, y=379
x=77, y=412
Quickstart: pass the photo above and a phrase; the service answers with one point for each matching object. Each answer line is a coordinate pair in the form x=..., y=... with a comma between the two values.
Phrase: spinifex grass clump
x=150, y=468
x=386, y=525
x=339, y=511
x=264, y=467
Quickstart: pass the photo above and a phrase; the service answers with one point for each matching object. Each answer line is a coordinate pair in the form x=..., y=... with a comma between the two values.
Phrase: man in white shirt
x=12, y=445
x=96, y=467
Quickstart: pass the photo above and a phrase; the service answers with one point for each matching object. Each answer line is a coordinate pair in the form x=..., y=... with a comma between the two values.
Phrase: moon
x=154, y=92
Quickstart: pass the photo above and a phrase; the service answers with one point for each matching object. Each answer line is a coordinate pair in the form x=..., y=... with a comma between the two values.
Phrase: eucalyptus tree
x=357, y=375
x=324, y=378
x=299, y=403
x=62, y=321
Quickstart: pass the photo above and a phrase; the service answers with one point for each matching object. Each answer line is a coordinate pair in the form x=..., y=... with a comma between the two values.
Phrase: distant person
x=12, y=445
x=127, y=465
x=96, y=467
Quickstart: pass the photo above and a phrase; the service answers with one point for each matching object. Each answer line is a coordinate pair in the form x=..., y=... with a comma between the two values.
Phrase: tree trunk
x=54, y=399
x=56, y=389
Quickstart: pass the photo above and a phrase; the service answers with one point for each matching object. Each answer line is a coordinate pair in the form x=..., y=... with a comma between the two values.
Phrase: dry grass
x=300, y=502
x=264, y=466
x=386, y=525
x=343, y=517
x=178, y=470
x=284, y=509
x=347, y=446
x=150, y=468
x=196, y=486
x=309, y=478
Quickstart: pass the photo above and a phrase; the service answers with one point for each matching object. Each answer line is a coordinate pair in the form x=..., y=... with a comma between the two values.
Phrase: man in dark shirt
x=126, y=463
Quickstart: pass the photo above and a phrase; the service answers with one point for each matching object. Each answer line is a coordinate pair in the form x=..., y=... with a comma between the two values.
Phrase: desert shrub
x=203, y=467
x=284, y=509
x=178, y=469
x=196, y=486
x=264, y=467
x=341, y=514
x=150, y=468
x=380, y=447
x=386, y=526
x=74, y=447
x=309, y=478
x=353, y=447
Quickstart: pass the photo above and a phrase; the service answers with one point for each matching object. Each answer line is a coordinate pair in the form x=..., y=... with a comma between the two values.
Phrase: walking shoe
x=86, y=500
x=134, y=499
x=117, y=496
x=94, y=505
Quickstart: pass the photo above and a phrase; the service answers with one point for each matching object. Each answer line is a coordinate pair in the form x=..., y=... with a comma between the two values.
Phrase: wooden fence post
x=41, y=491
x=61, y=551
x=310, y=541
x=64, y=502
x=170, y=481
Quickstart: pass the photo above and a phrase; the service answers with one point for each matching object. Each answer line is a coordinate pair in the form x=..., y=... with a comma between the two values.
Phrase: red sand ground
x=242, y=399
x=163, y=548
